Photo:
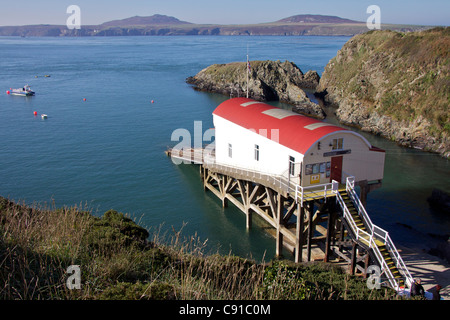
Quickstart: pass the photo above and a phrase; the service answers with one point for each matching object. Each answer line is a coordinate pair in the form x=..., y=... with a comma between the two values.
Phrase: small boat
x=44, y=116
x=25, y=91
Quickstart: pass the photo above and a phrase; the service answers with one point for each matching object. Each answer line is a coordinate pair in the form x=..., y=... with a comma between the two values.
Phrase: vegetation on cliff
x=117, y=260
x=267, y=81
x=394, y=84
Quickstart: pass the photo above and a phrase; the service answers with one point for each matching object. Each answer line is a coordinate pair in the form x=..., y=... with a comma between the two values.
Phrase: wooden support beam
x=330, y=228
x=263, y=214
x=272, y=202
x=245, y=189
x=353, y=258
x=214, y=190
x=292, y=208
x=235, y=202
x=299, y=233
x=254, y=192
x=309, y=206
x=366, y=264
x=278, y=215
x=341, y=234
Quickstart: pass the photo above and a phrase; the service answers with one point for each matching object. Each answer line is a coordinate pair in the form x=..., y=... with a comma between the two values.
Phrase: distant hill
x=162, y=25
x=156, y=19
x=315, y=18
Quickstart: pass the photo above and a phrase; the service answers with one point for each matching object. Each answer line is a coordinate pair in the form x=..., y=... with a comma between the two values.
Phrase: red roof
x=295, y=131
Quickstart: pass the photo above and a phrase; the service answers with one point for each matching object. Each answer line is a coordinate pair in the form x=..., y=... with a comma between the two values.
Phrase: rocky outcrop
x=267, y=81
x=395, y=85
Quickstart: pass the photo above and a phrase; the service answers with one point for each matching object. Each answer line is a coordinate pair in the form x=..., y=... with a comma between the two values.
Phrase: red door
x=336, y=168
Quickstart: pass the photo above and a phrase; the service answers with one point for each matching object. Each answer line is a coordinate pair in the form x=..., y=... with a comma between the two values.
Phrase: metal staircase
x=374, y=238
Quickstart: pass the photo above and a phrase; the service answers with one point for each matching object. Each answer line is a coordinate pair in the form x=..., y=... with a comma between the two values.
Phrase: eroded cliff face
x=267, y=81
x=394, y=84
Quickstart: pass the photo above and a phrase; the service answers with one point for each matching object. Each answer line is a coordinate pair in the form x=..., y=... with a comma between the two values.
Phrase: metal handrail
x=281, y=181
x=375, y=233
x=357, y=231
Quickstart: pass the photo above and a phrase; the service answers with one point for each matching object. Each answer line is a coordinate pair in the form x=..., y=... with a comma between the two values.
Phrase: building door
x=336, y=168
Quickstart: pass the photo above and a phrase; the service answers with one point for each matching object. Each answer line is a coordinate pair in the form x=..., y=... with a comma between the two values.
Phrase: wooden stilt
x=330, y=228
x=278, y=215
x=310, y=229
x=353, y=258
x=366, y=264
x=299, y=233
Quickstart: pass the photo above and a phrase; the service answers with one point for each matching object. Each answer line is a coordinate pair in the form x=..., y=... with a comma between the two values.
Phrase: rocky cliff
x=396, y=85
x=267, y=81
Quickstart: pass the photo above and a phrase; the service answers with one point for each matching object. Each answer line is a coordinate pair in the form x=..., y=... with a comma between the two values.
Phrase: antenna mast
x=247, y=74
x=248, y=70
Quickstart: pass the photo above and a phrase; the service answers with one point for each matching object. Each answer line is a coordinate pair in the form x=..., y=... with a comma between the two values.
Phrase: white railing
x=280, y=182
x=189, y=155
x=373, y=234
x=321, y=190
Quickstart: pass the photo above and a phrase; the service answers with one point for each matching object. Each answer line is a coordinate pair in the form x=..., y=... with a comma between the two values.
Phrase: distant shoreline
x=161, y=25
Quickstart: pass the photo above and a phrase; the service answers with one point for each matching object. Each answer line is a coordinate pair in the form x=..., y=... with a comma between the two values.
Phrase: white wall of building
x=360, y=162
x=273, y=157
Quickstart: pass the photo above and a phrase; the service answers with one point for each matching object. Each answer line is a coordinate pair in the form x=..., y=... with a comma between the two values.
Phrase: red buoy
x=153, y=101
x=35, y=113
x=8, y=92
x=84, y=99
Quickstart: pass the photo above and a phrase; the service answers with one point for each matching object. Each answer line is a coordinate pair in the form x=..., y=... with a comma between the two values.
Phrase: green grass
x=119, y=259
x=401, y=75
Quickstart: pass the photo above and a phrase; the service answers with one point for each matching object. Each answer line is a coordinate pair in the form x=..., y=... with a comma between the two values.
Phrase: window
x=230, y=150
x=291, y=166
x=256, y=152
x=338, y=144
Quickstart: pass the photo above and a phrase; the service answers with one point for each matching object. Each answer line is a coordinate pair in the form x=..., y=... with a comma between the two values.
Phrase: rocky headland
x=267, y=81
x=395, y=85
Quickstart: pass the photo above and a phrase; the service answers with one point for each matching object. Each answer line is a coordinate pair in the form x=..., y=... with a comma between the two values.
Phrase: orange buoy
x=35, y=113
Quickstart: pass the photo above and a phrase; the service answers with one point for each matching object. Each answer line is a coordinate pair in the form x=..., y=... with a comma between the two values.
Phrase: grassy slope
x=118, y=262
x=402, y=75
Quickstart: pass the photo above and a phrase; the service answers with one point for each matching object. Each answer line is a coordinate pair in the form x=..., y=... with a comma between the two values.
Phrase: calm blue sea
x=108, y=152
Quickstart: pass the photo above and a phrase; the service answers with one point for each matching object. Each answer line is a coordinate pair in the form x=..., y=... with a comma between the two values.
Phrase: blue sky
x=22, y=12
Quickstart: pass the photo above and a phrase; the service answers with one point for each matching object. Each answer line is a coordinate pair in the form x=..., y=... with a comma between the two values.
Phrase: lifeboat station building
x=256, y=136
